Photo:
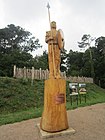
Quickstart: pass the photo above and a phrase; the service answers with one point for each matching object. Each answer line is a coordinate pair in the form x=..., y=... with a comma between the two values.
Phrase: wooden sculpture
x=54, y=117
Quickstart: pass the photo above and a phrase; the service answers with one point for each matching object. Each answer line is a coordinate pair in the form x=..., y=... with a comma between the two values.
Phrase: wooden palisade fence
x=43, y=74
x=32, y=73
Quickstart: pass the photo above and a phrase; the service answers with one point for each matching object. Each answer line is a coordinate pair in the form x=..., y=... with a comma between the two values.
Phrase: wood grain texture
x=54, y=51
x=54, y=116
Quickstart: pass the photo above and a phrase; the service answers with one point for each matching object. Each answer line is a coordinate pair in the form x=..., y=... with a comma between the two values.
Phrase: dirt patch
x=89, y=123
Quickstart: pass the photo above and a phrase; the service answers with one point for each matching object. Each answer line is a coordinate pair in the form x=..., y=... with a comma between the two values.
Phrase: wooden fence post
x=40, y=73
x=32, y=72
x=24, y=73
x=14, y=71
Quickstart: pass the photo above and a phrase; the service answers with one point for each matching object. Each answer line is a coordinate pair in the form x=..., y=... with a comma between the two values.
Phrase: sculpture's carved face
x=53, y=24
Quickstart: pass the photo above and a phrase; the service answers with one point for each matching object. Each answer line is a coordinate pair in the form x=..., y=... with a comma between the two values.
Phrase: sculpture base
x=54, y=116
x=45, y=135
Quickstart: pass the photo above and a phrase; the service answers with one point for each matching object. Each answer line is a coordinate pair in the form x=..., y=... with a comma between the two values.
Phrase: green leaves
x=15, y=45
x=74, y=63
x=16, y=38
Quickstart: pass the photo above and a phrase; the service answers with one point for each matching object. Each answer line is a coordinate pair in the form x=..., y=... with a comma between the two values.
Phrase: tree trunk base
x=54, y=116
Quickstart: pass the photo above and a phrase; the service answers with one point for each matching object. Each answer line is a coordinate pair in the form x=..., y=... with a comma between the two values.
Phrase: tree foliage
x=16, y=38
x=63, y=64
x=15, y=45
x=74, y=64
x=41, y=61
x=100, y=61
x=86, y=41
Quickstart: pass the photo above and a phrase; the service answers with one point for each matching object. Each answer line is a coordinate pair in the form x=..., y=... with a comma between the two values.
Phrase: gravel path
x=89, y=123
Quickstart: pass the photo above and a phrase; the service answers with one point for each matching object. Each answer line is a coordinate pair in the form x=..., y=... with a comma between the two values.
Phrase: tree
x=100, y=44
x=41, y=61
x=86, y=69
x=100, y=59
x=16, y=38
x=15, y=47
x=86, y=42
x=74, y=63
x=63, y=64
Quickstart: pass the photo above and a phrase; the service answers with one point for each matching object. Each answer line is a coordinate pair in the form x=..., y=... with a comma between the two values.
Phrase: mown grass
x=20, y=115
x=19, y=94
x=20, y=100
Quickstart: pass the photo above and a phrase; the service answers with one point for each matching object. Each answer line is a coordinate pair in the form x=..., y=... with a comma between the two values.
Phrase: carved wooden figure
x=55, y=44
x=54, y=116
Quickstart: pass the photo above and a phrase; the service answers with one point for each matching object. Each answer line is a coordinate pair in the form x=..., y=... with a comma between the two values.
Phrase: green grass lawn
x=20, y=100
